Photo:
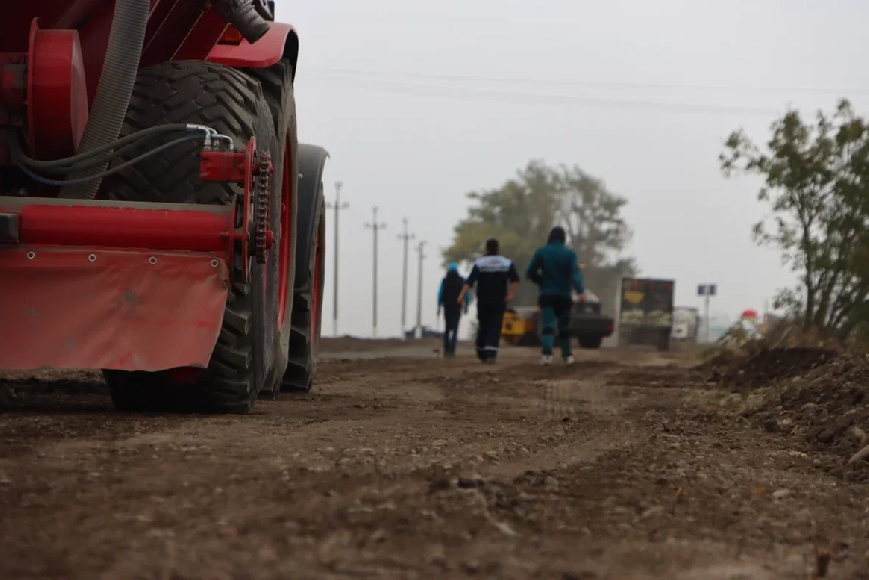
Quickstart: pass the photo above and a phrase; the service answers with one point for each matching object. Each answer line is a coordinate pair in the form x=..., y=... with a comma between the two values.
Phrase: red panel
x=74, y=12
x=95, y=309
x=18, y=15
x=92, y=18
x=202, y=37
x=162, y=29
x=180, y=27
x=265, y=52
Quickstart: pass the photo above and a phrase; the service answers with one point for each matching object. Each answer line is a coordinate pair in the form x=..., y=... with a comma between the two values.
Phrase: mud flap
x=75, y=308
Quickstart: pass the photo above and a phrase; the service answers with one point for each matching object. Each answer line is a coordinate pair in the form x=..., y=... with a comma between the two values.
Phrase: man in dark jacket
x=555, y=270
x=495, y=278
x=448, y=299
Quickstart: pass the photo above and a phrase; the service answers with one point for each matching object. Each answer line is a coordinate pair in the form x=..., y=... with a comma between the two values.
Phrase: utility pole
x=406, y=238
x=374, y=226
x=337, y=206
x=419, y=249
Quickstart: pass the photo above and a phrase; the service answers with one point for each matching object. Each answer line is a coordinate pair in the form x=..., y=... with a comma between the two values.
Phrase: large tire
x=277, y=85
x=232, y=103
x=307, y=320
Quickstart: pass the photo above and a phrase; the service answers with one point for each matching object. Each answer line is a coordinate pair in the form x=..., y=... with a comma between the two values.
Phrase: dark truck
x=646, y=312
x=588, y=325
x=522, y=324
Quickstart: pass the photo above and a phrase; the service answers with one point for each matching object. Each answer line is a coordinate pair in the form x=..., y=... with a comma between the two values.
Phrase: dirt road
x=624, y=466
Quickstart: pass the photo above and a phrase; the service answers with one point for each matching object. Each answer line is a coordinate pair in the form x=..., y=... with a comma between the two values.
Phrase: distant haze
x=640, y=94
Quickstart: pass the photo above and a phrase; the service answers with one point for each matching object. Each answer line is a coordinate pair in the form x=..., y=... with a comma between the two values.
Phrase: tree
x=591, y=214
x=815, y=181
x=597, y=232
x=524, y=209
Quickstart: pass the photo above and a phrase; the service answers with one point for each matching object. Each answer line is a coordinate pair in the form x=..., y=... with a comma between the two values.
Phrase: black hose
x=245, y=15
x=107, y=172
x=113, y=92
x=132, y=148
x=107, y=151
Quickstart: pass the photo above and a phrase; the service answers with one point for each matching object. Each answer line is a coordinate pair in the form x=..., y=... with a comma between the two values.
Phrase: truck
x=686, y=321
x=646, y=312
x=521, y=326
x=159, y=220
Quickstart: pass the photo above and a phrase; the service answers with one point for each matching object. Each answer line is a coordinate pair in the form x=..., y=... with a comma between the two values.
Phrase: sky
x=421, y=101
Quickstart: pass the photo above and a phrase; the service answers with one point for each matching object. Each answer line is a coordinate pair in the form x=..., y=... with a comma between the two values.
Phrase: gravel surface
x=627, y=465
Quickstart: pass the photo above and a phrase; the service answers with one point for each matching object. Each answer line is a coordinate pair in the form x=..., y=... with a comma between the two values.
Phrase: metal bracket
x=250, y=236
x=10, y=228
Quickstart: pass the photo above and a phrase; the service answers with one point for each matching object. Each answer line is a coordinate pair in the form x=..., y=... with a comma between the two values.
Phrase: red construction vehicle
x=159, y=220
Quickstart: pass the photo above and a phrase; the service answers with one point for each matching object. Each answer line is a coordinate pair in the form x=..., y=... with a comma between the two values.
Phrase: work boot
x=546, y=360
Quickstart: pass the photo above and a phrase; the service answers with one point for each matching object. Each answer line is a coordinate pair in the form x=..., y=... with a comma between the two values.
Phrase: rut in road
x=419, y=468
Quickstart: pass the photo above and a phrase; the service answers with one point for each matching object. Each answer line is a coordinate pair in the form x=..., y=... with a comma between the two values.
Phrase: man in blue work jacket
x=496, y=278
x=448, y=299
x=555, y=270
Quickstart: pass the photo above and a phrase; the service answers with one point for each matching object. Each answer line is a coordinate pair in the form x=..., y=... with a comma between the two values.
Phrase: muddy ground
x=402, y=465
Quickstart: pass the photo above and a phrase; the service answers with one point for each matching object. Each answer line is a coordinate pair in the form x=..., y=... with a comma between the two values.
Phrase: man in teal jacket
x=555, y=270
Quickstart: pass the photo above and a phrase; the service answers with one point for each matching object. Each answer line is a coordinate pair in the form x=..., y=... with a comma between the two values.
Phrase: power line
x=594, y=83
x=545, y=99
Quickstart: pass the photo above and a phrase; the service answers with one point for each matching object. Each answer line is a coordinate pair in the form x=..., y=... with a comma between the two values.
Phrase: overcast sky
x=422, y=101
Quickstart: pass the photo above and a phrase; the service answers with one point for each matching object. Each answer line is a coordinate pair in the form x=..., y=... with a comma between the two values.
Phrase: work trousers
x=452, y=316
x=555, y=312
x=489, y=321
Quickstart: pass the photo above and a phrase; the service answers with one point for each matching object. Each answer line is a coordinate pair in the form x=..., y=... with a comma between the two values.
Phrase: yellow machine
x=521, y=326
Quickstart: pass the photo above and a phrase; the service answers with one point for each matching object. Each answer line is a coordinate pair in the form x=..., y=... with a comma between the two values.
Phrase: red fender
x=279, y=42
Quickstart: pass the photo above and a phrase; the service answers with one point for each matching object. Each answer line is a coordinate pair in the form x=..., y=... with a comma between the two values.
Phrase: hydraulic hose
x=113, y=170
x=120, y=147
x=106, y=151
x=248, y=16
x=124, y=50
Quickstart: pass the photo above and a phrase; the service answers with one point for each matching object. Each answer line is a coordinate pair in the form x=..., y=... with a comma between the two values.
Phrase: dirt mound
x=765, y=367
x=820, y=395
x=828, y=405
x=721, y=360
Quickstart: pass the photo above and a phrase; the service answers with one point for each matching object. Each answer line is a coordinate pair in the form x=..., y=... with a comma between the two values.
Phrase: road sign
x=707, y=291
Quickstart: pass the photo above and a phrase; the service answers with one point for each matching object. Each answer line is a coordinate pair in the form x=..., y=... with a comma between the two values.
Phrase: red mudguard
x=109, y=285
x=272, y=47
x=74, y=308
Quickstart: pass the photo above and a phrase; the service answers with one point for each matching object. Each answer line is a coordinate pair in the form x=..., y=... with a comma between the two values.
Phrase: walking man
x=555, y=270
x=448, y=299
x=496, y=279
